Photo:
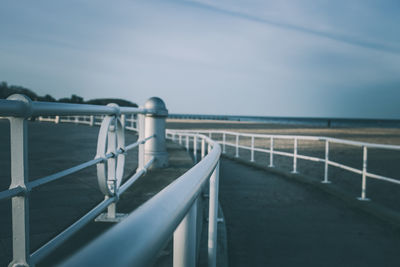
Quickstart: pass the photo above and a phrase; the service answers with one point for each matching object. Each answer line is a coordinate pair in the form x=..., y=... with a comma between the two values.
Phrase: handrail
x=110, y=159
x=287, y=136
x=36, y=108
x=147, y=229
x=295, y=155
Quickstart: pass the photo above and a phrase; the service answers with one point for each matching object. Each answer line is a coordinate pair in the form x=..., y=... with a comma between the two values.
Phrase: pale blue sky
x=270, y=58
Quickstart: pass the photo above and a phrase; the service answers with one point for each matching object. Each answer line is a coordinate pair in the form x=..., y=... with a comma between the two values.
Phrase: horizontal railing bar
x=66, y=172
x=129, y=147
x=281, y=153
x=46, y=108
x=9, y=193
x=136, y=176
x=13, y=108
x=38, y=108
x=380, y=177
x=82, y=166
x=357, y=143
x=64, y=235
x=302, y=137
x=344, y=167
x=146, y=231
x=310, y=158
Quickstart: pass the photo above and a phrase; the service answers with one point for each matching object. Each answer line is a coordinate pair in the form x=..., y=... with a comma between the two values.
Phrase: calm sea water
x=315, y=122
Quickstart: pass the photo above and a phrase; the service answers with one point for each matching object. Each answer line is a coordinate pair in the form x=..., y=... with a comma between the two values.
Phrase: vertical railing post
x=184, y=251
x=131, y=121
x=19, y=178
x=111, y=165
x=91, y=122
x=141, y=133
x=187, y=143
x=180, y=139
x=237, y=146
x=155, y=126
x=364, y=176
x=223, y=143
x=123, y=120
x=271, y=153
x=252, y=149
x=295, y=156
x=213, y=218
x=326, y=180
x=203, y=148
x=57, y=119
x=195, y=148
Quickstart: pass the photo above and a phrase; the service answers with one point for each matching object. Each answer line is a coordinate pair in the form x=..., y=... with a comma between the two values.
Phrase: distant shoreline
x=304, y=121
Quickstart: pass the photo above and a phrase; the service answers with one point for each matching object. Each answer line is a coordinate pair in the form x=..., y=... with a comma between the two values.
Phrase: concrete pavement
x=275, y=222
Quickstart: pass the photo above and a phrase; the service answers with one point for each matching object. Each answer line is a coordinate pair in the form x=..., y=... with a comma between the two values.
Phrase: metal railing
x=172, y=212
x=109, y=160
x=271, y=151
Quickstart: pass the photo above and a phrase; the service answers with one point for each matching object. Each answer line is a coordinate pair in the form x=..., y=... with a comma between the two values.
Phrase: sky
x=305, y=58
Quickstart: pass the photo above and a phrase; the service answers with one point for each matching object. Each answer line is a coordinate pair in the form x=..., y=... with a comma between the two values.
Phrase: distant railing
x=109, y=159
x=272, y=151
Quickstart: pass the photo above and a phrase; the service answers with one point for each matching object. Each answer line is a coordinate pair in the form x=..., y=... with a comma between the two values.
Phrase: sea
x=303, y=121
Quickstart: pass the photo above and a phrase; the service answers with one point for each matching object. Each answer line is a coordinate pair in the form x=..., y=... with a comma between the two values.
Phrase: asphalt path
x=272, y=221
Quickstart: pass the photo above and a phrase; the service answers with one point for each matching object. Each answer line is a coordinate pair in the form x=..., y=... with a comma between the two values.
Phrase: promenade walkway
x=55, y=206
x=272, y=221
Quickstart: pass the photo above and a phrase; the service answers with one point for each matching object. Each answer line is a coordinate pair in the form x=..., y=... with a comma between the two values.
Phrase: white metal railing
x=109, y=160
x=172, y=212
x=272, y=150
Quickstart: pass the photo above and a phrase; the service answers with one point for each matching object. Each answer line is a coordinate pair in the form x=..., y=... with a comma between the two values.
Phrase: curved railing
x=145, y=231
x=172, y=211
x=232, y=139
x=109, y=160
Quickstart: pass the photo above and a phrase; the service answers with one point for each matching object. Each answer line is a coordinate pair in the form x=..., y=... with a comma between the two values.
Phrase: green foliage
x=7, y=90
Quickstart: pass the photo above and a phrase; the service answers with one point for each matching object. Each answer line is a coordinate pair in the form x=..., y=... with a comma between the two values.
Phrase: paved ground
x=55, y=206
x=275, y=222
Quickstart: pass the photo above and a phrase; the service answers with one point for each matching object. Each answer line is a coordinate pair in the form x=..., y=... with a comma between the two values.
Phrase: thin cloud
x=324, y=34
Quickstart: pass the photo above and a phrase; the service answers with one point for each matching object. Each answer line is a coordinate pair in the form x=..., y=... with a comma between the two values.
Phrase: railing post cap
x=156, y=107
x=116, y=108
x=28, y=103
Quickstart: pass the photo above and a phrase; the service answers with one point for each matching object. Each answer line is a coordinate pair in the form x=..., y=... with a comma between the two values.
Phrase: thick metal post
x=326, y=181
x=364, y=177
x=19, y=178
x=223, y=143
x=187, y=142
x=295, y=156
x=237, y=146
x=155, y=125
x=185, y=240
x=213, y=218
x=180, y=139
x=141, y=134
x=271, y=153
x=91, y=122
x=252, y=149
x=57, y=119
